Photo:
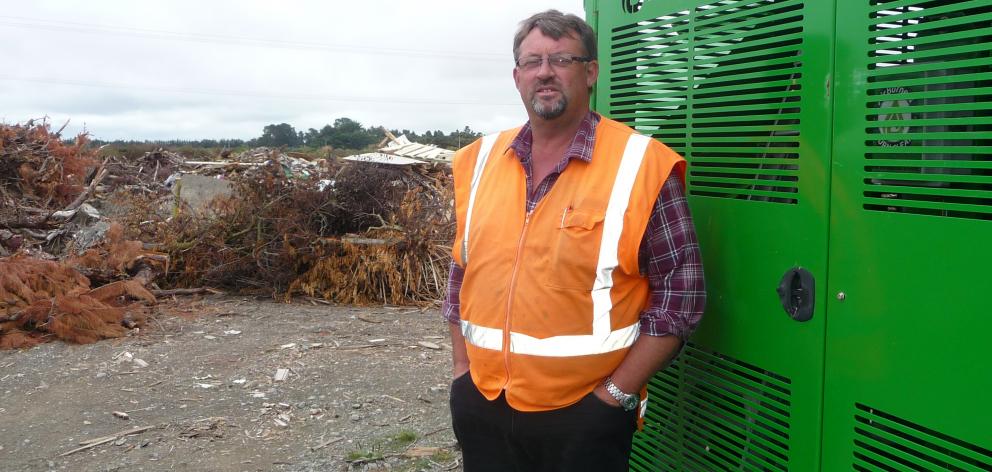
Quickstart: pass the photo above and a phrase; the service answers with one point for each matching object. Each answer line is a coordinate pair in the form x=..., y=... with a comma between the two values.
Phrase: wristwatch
x=627, y=401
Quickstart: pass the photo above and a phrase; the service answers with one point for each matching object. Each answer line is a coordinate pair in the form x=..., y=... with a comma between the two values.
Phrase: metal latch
x=797, y=291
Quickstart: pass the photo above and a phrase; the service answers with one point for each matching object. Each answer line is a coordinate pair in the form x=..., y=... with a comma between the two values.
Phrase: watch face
x=629, y=403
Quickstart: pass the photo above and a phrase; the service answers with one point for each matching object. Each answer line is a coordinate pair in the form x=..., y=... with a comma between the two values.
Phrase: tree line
x=344, y=134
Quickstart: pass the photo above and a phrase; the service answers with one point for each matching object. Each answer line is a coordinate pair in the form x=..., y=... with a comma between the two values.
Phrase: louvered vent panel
x=710, y=412
x=885, y=442
x=721, y=85
x=929, y=108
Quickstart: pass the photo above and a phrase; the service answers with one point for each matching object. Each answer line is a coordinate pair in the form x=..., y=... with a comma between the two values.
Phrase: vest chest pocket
x=575, y=249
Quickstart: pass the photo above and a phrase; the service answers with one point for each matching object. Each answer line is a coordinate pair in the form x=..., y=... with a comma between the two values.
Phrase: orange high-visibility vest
x=551, y=300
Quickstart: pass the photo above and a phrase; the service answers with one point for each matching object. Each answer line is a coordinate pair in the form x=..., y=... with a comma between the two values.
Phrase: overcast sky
x=162, y=69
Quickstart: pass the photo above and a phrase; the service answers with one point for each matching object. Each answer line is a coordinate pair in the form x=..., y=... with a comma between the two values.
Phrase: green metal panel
x=907, y=359
x=741, y=89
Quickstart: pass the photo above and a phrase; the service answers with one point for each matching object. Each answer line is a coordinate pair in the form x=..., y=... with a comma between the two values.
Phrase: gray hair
x=555, y=24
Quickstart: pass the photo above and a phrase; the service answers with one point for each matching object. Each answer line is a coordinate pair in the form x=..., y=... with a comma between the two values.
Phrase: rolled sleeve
x=669, y=255
x=451, y=307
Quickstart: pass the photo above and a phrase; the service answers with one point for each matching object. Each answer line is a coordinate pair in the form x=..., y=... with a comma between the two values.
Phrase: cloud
x=225, y=69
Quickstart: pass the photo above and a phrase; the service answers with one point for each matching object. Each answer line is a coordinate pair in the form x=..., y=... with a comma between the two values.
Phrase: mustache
x=548, y=84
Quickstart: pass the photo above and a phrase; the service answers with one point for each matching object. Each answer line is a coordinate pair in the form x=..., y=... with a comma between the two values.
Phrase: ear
x=516, y=77
x=592, y=73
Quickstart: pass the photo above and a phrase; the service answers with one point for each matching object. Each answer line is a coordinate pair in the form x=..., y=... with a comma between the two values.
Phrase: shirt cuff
x=451, y=307
x=661, y=323
x=451, y=313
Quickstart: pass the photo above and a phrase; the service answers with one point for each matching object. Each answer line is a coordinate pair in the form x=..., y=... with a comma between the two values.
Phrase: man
x=576, y=272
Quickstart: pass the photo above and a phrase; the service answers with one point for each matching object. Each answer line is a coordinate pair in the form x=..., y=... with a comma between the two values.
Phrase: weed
x=363, y=455
x=443, y=456
x=405, y=437
x=380, y=448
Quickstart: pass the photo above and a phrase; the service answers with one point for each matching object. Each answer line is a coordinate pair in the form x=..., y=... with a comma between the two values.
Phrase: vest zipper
x=509, y=298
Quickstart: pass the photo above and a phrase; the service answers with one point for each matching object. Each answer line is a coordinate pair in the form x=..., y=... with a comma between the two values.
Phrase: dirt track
x=365, y=389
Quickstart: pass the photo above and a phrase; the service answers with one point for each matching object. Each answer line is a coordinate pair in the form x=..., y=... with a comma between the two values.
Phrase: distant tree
x=350, y=134
x=311, y=138
x=377, y=132
x=345, y=133
x=464, y=137
x=324, y=136
x=282, y=134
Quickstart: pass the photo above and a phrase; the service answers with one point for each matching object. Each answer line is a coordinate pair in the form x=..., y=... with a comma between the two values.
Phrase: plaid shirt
x=668, y=256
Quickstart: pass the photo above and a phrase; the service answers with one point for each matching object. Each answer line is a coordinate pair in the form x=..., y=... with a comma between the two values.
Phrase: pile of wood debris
x=61, y=276
x=357, y=233
x=43, y=182
x=87, y=242
x=251, y=161
x=395, y=249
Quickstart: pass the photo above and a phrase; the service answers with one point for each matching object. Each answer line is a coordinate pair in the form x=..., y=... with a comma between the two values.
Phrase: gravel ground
x=200, y=388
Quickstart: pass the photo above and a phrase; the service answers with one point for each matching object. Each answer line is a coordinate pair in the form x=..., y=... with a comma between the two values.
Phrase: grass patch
x=382, y=447
x=363, y=455
x=405, y=437
x=422, y=464
x=443, y=456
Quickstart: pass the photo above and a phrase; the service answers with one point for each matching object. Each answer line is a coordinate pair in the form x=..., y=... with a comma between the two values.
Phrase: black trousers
x=587, y=436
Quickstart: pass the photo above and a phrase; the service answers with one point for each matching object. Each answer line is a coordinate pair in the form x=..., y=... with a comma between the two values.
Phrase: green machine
x=840, y=177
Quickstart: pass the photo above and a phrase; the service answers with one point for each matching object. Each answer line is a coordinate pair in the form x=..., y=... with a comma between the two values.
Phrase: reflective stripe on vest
x=602, y=339
x=480, y=164
x=555, y=346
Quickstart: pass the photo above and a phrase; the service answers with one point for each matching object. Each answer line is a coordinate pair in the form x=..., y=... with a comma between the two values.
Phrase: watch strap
x=620, y=396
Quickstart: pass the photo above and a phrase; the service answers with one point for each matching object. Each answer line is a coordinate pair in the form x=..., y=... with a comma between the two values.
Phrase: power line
x=254, y=94
x=89, y=28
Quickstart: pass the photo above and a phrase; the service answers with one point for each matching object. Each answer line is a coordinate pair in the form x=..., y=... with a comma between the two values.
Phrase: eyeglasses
x=560, y=61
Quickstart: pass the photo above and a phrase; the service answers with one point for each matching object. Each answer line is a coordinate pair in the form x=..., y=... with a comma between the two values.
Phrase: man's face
x=550, y=91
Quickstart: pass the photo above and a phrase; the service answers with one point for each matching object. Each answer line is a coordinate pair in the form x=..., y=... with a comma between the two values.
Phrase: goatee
x=552, y=111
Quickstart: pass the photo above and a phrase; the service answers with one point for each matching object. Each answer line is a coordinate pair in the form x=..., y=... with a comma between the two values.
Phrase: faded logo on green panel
x=889, y=117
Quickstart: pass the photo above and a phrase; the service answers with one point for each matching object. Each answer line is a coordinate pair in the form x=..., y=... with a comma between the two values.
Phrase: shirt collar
x=581, y=147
